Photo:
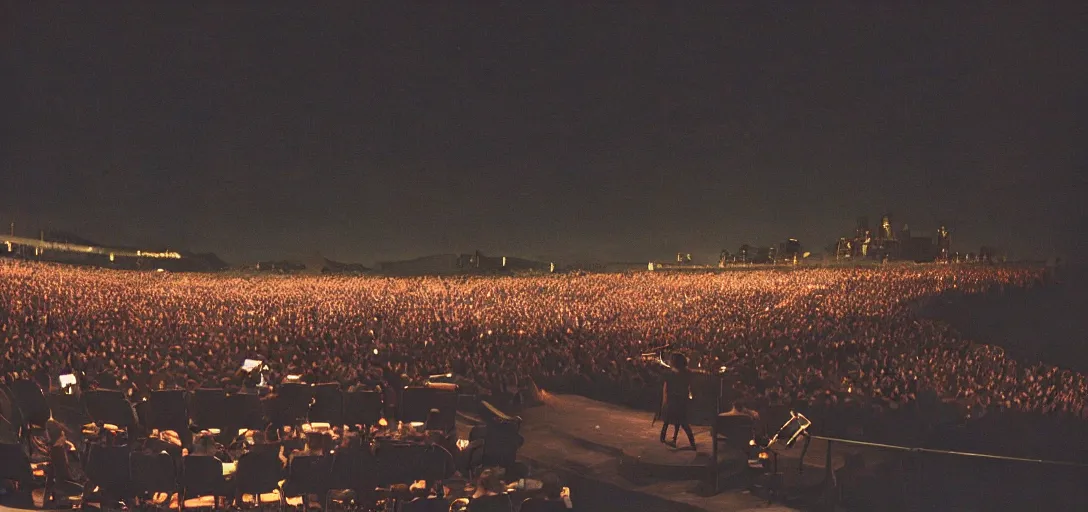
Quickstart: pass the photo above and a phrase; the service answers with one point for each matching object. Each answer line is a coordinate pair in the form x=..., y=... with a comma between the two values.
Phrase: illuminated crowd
x=795, y=334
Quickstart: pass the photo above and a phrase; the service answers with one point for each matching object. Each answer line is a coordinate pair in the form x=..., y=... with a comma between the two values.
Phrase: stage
x=604, y=447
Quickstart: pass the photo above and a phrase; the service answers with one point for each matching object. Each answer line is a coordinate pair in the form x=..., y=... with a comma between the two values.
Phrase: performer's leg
x=675, y=432
x=690, y=434
x=664, y=428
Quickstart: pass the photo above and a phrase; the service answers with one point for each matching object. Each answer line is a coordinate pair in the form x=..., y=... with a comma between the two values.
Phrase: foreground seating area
x=154, y=454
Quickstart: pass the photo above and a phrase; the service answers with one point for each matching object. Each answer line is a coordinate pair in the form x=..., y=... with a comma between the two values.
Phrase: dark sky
x=266, y=129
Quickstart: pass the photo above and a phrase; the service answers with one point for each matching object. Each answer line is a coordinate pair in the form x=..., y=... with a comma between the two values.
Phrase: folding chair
x=306, y=475
x=202, y=475
x=426, y=505
x=258, y=473
x=496, y=503
x=15, y=465
x=153, y=473
x=108, y=473
x=400, y=463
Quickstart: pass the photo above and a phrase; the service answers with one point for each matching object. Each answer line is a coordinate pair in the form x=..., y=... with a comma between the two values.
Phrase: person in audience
x=490, y=494
x=552, y=497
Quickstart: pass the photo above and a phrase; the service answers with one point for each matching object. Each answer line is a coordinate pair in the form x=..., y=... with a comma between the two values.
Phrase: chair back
x=497, y=503
x=31, y=402
x=258, y=472
x=108, y=466
x=426, y=505
x=343, y=474
x=400, y=463
x=328, y=404
x=309, y=474
x=14, y=463
x=202, y=476
x=537, y=504
x=436, y=463
x=153, y=472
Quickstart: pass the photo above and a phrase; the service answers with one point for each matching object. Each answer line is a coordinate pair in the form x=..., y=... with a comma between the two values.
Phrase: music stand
x=362, y=407
x=210, y=408
x=244, y=411
x=328, y=404
x=109, y=406
x=31, y=401
x=417, y=402
x=167, y=410
x=293, y=403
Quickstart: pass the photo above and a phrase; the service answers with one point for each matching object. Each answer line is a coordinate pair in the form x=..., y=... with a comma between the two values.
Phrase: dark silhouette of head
x=679, y=361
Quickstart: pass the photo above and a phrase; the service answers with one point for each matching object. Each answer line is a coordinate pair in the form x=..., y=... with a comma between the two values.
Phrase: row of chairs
x=215, y=408
x=119, y=473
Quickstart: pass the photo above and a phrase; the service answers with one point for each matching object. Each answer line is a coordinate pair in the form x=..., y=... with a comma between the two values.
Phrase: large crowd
x=797, y=334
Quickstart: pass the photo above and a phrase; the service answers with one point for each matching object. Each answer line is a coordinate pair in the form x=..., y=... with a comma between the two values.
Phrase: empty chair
x=258, y=473
x=153, y=473
x=494, y=503
x=14, y=464
x=436, y=463
x=431, y=504
x=538, y=504
x=400, y=463
x=108, y=474
x=306, y=475
x=202, y=475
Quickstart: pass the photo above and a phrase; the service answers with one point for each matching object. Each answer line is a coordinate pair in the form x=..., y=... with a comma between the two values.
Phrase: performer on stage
x=675, y=393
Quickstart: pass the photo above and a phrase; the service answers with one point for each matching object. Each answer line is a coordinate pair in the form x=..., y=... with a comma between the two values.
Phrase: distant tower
x=944, y=244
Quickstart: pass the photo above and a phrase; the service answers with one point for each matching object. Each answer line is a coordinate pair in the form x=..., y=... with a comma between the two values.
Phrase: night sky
x=265, y=130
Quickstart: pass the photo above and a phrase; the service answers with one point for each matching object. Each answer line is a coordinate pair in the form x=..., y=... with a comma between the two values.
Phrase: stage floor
x=605, y=445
